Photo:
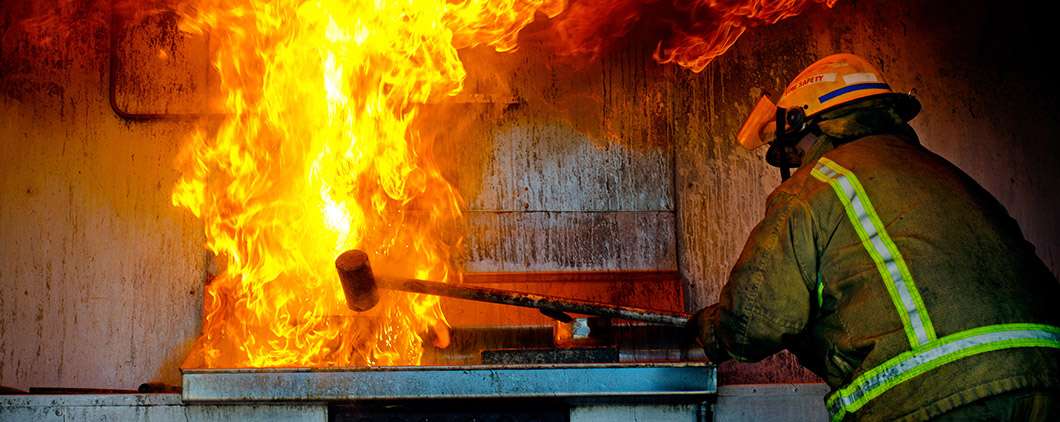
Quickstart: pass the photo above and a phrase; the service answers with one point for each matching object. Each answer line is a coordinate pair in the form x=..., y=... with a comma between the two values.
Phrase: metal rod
x=530, y=300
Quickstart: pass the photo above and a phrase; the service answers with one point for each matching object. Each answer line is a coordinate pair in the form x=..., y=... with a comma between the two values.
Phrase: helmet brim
x=868, y=115
x=906, y=106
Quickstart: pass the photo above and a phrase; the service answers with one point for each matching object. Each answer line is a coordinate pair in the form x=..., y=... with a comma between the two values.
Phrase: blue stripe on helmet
x=852, y=88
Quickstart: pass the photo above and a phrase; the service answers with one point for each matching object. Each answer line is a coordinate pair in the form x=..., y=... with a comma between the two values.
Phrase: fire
x=317, y=155
x=705, y=29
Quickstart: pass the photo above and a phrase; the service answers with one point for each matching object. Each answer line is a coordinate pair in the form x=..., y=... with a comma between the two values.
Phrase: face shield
x=760, y=127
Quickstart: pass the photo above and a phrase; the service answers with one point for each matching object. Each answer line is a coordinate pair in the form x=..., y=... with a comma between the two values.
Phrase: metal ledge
x=581, y=382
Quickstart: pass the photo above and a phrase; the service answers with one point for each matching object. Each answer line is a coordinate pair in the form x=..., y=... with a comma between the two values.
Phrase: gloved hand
x=699, y=332
x=694, y=329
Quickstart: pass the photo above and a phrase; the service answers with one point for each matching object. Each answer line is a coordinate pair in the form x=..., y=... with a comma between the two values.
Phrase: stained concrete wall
x=622, y=164
x=564, y=166
x=101, y=277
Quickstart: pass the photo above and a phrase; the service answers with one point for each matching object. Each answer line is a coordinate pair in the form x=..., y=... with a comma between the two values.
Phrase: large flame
x=317, y=155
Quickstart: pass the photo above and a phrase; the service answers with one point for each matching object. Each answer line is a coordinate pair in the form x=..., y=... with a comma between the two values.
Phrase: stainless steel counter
x=570, y=382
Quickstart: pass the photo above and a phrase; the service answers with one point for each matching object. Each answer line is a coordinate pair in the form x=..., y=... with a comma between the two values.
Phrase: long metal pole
x=529, y=300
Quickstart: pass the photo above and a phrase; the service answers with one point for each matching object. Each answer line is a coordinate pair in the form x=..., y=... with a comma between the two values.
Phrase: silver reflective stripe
x=873, y=241
x=896, y=370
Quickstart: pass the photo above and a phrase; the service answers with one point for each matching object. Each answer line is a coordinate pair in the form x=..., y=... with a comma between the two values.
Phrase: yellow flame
x=315, y=157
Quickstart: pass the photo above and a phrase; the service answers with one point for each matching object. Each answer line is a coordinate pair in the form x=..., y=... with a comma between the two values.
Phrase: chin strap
x=785, y=172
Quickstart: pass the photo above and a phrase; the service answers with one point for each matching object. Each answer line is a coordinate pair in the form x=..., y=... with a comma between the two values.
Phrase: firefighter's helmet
x=824, y=86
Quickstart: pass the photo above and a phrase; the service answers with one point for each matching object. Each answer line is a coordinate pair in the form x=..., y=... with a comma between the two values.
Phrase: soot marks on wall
x=103, y=264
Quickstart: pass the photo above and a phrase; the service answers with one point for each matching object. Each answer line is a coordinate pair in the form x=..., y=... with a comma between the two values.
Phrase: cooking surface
x=577, y=382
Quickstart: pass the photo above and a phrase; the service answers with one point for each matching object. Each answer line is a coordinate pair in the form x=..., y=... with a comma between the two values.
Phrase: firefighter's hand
x=694, y=328
x=699, y=333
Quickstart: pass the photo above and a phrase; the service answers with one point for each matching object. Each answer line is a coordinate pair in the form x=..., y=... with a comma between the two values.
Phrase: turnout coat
x=896, y=278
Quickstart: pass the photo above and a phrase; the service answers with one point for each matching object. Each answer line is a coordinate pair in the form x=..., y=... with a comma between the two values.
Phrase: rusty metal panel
x=159, y=70
x=92, y=407
x=764, y=402
x=170, y=408
x=451, y=411
x=693, y=412
x=101, y=276
x=659, y=290
x=550, y=167
x=259, y=412
x=570, y=241
x=148, y=408
x=570, y=168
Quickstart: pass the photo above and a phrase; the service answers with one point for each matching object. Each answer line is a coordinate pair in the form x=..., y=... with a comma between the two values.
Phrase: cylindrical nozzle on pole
x=358, y=283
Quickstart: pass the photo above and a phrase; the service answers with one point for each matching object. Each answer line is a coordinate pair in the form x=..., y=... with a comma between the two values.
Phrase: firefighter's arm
x=768, y=294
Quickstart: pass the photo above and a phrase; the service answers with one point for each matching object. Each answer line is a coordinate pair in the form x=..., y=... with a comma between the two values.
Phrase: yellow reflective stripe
x=907, y=365
x=820, y=292
x=884, y=253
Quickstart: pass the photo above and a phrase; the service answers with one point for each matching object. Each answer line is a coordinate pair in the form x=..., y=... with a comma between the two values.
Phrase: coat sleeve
x=771, y=290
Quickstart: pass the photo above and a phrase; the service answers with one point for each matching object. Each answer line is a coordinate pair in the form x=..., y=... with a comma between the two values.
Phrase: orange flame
x=316, y=156
x=707, y=28
x=689, y=33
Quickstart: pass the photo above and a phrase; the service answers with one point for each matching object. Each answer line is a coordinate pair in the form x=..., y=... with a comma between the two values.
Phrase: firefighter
x=883, y=268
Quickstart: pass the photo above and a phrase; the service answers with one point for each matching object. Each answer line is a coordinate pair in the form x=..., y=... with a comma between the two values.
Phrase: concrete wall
x=564, y=167
x=621, y=164
x=101, y=277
